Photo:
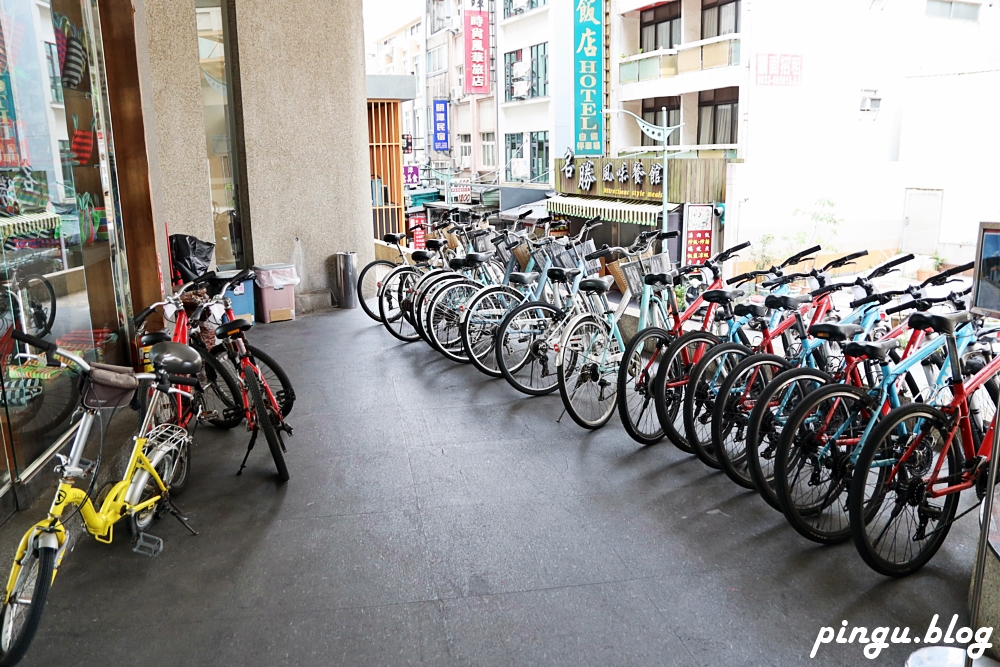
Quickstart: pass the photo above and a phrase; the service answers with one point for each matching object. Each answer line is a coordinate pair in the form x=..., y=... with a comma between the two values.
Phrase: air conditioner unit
x=521, y=88
x=519, y=169
x=466, y=162
x=520, y=70
x=456, y=23
x=457, y=93
x=519, y=5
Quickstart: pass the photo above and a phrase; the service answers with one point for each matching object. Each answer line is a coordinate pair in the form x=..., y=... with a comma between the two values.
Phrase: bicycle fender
x=47, y=541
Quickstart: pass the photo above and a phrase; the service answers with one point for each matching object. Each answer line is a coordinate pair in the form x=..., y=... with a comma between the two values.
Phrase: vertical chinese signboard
x=417, y=233
x=411, y=175
x=477, y=47
x=440, y=125
x=588, y=76
x=698, y=233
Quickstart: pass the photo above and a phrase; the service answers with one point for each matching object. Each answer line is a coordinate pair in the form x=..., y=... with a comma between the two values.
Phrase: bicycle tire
x=863, y=514
x=264, y=423
x=671, y=381
x=273, y=373
x=635, y=379
x=18, y=647
x=732, y=412
x=538, y=351
x=395, y=305
x=374, y=285
x=818, y=513
x=701, y=395
x=582, y=375
x=219, y=381
x=447, y=309
x=425, y=298
x=479, y=331
x=44, y=326
x=764, y=430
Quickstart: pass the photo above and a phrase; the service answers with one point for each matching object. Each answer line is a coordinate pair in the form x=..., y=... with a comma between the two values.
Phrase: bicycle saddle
x=597, y=285
x=154, y=337
x=422, y=255
x=749, y=309
x=435, y=244
x=559, y=275
x=835, y=332
x=393, y=238
x=722, y=296
x=476, y=258
x=456, y=263
x=655, y=279
x=877, y=351
x=945, y=324
x=524, y=278
x=230, y=329
x=178, y=359
x=786, y=302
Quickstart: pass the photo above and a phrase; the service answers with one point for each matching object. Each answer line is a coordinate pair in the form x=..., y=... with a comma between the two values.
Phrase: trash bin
x=345, y=279
x=241, y=295
x=276, y=292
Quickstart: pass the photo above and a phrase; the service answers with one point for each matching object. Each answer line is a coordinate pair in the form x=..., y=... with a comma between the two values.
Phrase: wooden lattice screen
x=385, y=152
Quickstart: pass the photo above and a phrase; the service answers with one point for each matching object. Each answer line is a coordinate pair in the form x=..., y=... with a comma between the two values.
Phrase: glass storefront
x=62, y=268
x=213, y=50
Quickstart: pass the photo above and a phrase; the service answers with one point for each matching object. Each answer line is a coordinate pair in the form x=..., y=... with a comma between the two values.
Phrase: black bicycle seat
x=945, y=324
x=177, y=358
x=877, y=351
x=834, y=331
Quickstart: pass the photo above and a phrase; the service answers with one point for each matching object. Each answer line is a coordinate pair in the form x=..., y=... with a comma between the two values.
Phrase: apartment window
x=465, y=146
x=539, y=157
x=415, y=29
x=718, y=116
x=870, y=100
x=437, y=60
x=437, y=11
x=515, y=7
x=66, y=158
x=652, y=112
x=513, y=144
x=719, y=17
x=418, y=124
x=460, y=77
x=660, y=28
x=540, y=70
x=508, y=69
x=489, y=143
x=55, y=78
x=953, y=10
x=416, y=67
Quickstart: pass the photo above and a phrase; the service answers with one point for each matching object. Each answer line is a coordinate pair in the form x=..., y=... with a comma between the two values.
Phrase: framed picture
x=986, y=275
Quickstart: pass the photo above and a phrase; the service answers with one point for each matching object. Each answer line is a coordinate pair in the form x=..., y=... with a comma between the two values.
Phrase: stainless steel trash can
x=345, y=279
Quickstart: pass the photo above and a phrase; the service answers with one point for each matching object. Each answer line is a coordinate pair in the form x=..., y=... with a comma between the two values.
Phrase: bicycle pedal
x=206, y=415
x=148, y=545
x=287, y=429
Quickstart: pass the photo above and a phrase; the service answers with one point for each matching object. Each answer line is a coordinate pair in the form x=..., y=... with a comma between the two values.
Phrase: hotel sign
x=477, y=47
x=588, y=77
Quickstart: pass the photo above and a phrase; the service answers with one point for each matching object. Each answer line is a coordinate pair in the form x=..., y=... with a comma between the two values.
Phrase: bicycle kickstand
x=177, y=514
x=253, y=440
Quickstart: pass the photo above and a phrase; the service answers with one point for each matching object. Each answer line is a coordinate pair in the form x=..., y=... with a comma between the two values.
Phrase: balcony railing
x=694, y=57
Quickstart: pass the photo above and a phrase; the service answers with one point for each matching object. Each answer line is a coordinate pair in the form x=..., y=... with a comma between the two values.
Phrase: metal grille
x=502, y=253
x=540, y=255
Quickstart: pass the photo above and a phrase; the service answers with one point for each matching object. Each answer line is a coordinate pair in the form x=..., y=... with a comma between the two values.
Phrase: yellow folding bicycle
x=159, y=458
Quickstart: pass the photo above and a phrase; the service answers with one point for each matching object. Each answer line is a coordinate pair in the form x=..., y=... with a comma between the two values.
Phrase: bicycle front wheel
x=703, y=391
x=370, y=282
x=38, y=301
x=221, y=393
x=21, y=614
x=640, y=364
x=671, y=381
x=444, y=318
x=896, y=524
x=588, y=374
x=525, y=345
x=274, y=375
x=395, y=304
x=264, y=419
x=479, y=327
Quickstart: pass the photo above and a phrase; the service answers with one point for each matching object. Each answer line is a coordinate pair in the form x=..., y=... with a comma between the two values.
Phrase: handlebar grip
x=205, y=277
x=181, y=379
x=141, y=317
x=882, y=270
x=736, y=248
x=524, y=214
x=668, y=234
x=871, y=298
x=799, y=256
x=593, y=222
x=740, y=278
x=476, y=233
x=543, y=221
x=901, y=307
x=34, y=341
x=603, y=252
x=944, y=275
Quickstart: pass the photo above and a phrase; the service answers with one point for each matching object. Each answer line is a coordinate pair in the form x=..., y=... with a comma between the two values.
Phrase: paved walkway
x=438, y=517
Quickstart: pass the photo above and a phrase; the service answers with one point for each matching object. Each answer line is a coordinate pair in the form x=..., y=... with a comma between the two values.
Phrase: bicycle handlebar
x=888, y=266
x=728, y=253
x=843, y=261
x=942, y=277
x=925, y=304
x=799, y=256
x=830, y=288
x=749, y=275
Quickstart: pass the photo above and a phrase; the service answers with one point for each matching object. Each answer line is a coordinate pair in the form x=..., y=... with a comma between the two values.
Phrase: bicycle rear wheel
x=588, y=374
x=264, y=419
x=274, y=375
x=524, y=347
x=479, y=327
x=896, y=526
x=21, y=613
x=636, y=405
x=703, y=391
x=38, y=300
x=395, y=305
x=370, y=282
x=671, y=381
x=444, y=318
x=220, y=390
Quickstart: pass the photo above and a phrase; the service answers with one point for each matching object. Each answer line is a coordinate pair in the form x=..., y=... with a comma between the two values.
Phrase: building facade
x=401, y=52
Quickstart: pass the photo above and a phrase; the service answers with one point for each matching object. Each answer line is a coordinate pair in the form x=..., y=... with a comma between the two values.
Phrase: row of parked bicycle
x=864, y=422
x=204, y=372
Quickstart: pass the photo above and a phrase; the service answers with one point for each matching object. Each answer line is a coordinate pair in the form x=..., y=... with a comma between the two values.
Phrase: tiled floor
x=437, y=517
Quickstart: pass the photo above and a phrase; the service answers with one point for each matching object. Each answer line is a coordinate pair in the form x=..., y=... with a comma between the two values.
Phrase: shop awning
x=537, y=210
x=28, y=224
x=609, y=209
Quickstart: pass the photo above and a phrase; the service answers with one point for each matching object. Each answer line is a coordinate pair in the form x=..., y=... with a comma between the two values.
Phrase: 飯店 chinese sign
x=588, y=76
x=698, y=233
x=779, y=69
x=477, y=47
x=440, y=110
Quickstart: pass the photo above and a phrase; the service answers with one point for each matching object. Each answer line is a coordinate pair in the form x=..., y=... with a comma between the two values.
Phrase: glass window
x=437, y=60
x=705, y=124
x=52, y=59
x=710, y=22
x=508, y=68
x=515, y=7
x=489, y=143
x=539, y=157
x=652, y=112
x=540, y=70
x=719, y=17
x=465, y=145
x=660, y=28
x=513, y=145
x=718, y=116
x=213, y=30
x=437, y=11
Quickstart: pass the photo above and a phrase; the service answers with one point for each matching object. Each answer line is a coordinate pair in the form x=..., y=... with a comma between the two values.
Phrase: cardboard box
x=279, y=315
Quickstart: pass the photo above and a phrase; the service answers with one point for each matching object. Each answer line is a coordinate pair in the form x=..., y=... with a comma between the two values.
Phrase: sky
x=382, y=16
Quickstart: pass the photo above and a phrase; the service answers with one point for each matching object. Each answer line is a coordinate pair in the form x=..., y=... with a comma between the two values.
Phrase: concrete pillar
x=691, y=20
x=177, y=124
x=689, y=117
x=305, y=126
